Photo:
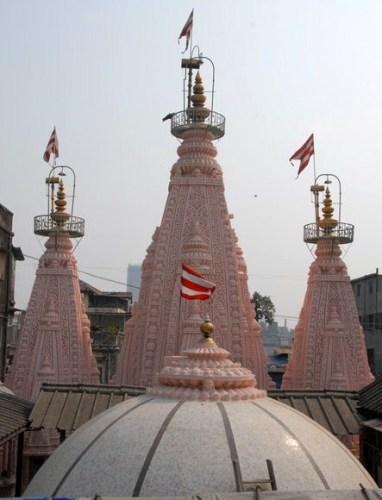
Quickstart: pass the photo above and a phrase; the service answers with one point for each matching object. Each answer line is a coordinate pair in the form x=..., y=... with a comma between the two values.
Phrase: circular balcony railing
x=343, y=232
x=194, y=118
x=44, y=226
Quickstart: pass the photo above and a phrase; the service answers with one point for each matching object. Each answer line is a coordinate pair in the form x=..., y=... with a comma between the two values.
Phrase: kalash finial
x=60, y=216
x=207, y=328
x=328, y=223
x=199, y=112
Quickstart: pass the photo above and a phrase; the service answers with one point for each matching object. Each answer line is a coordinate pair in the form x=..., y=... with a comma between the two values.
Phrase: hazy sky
x=106, y=72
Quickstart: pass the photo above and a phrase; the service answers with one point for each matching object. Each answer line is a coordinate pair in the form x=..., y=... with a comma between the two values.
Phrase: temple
x=203, y=430
x=54, y=342
x=329, y=350
x=195, y=230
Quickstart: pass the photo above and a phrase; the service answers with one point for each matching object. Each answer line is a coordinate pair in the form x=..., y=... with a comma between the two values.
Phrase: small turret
x=197, y=115
x=57, y=218
x=327, y=227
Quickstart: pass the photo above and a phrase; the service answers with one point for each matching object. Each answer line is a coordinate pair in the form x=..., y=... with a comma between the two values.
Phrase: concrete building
x=8, y=257
x=107, y=313
x=368, y=297
x=277, y=342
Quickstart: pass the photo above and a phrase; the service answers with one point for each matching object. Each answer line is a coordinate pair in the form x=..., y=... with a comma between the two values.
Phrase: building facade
x=368, y=297
x=8, y=257
x=107, y=313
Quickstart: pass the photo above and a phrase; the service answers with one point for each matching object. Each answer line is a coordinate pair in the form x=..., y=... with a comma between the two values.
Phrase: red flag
x=194, y=285
x=187, y=29
x=52, y=147
x=304, y=154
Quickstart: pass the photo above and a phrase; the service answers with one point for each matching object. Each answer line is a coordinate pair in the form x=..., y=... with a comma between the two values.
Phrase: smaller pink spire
x=204, y=373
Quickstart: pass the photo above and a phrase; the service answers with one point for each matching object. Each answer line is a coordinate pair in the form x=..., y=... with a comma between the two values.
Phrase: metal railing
x=44, y=226
x=343, y=232
x=196, y=118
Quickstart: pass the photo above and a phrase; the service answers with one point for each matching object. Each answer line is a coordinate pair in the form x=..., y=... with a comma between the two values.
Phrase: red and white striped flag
x=194, y=285
x=187, y=29
x=52, y=147
x=304, y=154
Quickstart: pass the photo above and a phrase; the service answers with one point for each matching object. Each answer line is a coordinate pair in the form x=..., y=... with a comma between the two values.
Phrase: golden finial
x=207, y=329
x=198, y=99
x=328, y=223
x=60, y=216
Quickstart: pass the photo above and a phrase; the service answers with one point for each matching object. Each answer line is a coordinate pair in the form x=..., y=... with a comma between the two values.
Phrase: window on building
x=2, y=265
x=358, y=290
x=370, y=286
x=370, y=321
x=378, y=320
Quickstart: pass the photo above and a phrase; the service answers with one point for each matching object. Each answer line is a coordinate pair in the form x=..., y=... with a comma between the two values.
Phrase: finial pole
x=189, y=87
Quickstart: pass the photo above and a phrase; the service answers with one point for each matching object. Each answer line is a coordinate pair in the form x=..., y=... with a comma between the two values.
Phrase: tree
x=264, y=307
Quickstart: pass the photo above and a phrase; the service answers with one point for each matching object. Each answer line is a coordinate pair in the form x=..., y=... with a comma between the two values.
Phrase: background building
x=8, y=257
x=107, y=313
x=277, y=342
x=367, y=292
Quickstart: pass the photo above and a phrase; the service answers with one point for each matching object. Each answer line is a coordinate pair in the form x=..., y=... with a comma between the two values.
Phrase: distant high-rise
x=134, y=272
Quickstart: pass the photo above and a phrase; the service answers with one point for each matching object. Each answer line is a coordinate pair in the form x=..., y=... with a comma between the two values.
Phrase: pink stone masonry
x=204, y=373
x=54, y=342
x=195, y=229
x=329, y=350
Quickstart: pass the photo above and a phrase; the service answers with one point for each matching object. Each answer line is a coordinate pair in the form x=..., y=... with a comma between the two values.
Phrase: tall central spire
x=195, y=230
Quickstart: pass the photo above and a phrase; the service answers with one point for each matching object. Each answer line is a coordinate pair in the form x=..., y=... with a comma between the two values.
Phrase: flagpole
x=178, y=329
x=192, y=29
x=212, y=310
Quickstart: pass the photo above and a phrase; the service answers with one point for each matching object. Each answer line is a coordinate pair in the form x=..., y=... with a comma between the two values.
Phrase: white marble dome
x=203, y=429
x=162, y=447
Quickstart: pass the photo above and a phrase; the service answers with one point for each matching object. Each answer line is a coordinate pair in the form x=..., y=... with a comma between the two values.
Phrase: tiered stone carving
x=195, y=229
x=204, y=373
x=329, y=351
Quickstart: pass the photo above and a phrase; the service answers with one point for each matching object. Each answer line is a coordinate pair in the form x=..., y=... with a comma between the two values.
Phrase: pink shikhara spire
x=196, y=231
x=328, y=351
x=54, y=342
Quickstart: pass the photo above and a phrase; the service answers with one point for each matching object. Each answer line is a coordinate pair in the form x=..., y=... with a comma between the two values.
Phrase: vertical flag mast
x=189, y=63
x=303, y=154
x=52, y=149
